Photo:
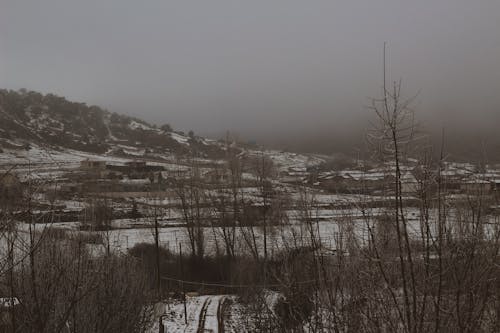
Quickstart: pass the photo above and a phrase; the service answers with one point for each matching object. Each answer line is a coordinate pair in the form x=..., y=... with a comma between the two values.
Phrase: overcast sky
x=297, y=69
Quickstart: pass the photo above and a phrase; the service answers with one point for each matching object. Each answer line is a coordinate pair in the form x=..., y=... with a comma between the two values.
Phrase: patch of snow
x=136, y=125
x=179, y=138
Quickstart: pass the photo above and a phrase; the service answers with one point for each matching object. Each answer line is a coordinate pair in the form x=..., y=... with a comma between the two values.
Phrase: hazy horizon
x=285, y=73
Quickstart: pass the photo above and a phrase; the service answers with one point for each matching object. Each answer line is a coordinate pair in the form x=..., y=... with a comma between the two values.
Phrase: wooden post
x=182, y=283
x=161, y=328
x=157, y=247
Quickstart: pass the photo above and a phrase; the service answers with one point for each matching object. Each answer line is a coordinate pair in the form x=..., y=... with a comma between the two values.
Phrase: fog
x=295, y=74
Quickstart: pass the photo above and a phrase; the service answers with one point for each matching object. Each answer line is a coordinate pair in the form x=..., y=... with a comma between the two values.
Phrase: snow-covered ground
x=285, y=160
x=179, y=138
x=43, y=157
x=136, y=125
x=202, y=315
x=212, y=313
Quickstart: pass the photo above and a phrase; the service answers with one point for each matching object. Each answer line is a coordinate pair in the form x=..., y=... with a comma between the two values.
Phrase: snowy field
x=278, y=237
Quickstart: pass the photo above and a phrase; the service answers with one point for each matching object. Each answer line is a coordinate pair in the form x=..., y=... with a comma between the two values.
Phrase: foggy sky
x=282, y=71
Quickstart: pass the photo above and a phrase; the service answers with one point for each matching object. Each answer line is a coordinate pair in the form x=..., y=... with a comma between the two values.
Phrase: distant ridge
x=31, y=117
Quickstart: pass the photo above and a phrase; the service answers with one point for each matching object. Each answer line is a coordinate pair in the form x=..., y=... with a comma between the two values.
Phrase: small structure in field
x=217, y=176
x=92, y=165
x=294, y=174
x=93, y=168
x=476, y=186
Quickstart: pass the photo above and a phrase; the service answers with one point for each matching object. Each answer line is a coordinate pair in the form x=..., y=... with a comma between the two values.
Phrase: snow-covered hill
x=29, y=118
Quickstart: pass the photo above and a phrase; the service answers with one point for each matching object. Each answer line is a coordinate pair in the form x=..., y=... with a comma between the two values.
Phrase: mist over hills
x=459, y=144
x=461, y=140
x=28, y=116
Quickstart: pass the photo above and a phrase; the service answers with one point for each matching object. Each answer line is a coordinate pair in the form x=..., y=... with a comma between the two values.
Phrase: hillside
x=28, y=117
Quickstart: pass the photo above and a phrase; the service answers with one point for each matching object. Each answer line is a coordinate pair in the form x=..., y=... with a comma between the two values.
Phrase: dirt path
x=220, y=314
x=211, y=315
x=203, y=315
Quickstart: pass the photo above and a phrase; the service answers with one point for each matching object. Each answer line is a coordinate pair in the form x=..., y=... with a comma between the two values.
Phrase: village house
x=170, y=176
x=136, y=165
x=135, y=169
x=476, y=186
x=409, y=184
x=334, y=182
x=93, y=168
x=495, y=184
x=481, y=182
x=92, y=165
x=294, y=174
x=217, y=176
x=452, y=179
x=373, y=181
x=357, y=181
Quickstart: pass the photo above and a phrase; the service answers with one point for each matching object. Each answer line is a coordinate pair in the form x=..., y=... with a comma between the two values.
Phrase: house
x=476, y=186
x=495, y=184
x=334, y=182
x=452, y=178
x=371, y=181
x=217, y=176
x=481, y=182
x=409, y=183
x=163, y=177
x=92, y=165
x=139, y=169
x=294, y=174
x=136, y=165
x=358, y=181
x=93, y=168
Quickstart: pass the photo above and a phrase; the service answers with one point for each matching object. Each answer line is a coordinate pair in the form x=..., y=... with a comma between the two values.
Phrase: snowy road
x=204, y=315
x=210, y=319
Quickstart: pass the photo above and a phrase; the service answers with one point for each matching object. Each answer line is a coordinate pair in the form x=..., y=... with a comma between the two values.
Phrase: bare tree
x=193, y=209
